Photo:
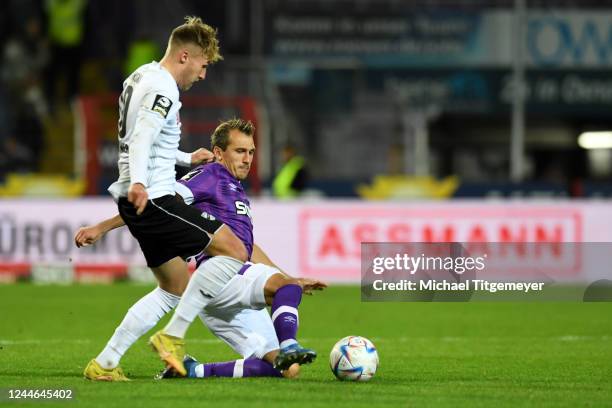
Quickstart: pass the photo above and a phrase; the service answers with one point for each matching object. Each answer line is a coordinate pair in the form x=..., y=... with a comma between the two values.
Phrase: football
x=354, y=358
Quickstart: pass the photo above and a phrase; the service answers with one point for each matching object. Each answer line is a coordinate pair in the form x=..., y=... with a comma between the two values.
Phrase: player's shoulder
x=206, y=168
x=219, y=171
x=153, y=78
x=196, y=174
x=227, y=183
x=213, y=172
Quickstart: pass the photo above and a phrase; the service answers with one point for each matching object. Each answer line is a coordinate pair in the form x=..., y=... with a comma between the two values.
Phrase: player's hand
x=138, y=196
x=202, y=156
x=86, y=236
x=308, y=285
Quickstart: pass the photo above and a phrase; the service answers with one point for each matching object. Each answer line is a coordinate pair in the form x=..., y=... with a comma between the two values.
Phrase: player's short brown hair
x=195, y=31
x=220, y=136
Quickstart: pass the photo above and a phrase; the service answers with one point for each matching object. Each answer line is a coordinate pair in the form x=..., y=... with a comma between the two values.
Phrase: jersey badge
x=162, y=105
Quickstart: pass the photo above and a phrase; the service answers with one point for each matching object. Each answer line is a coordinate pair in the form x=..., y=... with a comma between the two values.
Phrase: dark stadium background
x=420, y=121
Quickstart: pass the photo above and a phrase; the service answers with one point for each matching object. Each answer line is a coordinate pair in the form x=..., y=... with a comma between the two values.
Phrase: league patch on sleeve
x=162, y=105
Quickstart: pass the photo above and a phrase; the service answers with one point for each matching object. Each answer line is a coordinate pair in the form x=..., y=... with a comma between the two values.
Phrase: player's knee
x=172, y=276
x=277, y=281
x=175, y=288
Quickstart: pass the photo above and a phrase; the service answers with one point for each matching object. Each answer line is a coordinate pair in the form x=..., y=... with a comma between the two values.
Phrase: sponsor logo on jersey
x=242, y=208
x=162, y=105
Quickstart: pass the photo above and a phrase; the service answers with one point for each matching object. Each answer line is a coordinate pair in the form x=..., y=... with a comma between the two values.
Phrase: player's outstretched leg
x=286, y=319
x=251, y=367
x=140, y=318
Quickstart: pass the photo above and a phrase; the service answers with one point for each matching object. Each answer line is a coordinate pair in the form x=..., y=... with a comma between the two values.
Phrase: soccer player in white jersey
x=167, y=229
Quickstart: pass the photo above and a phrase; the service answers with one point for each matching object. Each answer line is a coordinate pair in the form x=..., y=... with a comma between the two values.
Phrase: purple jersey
x=216, y=192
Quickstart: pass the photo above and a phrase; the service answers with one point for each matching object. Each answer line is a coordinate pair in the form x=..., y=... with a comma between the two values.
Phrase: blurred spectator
x=66, y=26
x=24, y=58
x=27, y=142
x=292, y=178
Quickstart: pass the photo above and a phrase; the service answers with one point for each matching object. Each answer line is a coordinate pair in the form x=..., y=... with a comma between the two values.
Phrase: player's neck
x=166, y=64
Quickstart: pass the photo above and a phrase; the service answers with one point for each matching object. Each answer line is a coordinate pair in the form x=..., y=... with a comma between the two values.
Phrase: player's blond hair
x=220, y=136
x=195, y=31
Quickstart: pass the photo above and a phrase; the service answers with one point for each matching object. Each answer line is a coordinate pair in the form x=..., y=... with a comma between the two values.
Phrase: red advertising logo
x=330, y=239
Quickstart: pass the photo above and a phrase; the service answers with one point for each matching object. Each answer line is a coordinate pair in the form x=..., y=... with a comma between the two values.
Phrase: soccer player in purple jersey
x=215, y=189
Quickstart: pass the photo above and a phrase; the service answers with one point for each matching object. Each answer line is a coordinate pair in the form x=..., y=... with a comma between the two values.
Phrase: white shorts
x=245, y=290
x=249, y=333
x=238, y=314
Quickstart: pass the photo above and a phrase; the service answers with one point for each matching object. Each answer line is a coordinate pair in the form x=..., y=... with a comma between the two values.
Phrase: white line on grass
x=28, y=342
x=565, y=338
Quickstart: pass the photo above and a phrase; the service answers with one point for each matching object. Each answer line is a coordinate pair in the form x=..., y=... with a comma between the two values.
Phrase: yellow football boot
x=95, y=372
x=171, y=350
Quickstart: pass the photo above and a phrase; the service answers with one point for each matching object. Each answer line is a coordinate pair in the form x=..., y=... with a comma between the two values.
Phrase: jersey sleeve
x=160, y=100
x=200, y=183
x=184, y=191
x=150, y=119
x=183, y=158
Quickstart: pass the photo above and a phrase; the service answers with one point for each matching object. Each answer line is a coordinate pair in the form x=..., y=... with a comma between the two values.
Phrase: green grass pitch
x=431, y=354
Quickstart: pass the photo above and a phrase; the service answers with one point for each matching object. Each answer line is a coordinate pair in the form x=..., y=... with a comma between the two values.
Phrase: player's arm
x=88, y=235
x=308, y=285
x=259, y=256
x=148, y=125
x=200, y=156
x=150, y=119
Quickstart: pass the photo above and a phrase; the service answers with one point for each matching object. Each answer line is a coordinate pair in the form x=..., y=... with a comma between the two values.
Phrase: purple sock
x=285, y=314
x=252, y=367
x=225, y=369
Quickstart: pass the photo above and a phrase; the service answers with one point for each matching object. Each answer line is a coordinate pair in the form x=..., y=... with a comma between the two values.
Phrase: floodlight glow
x=595, y=140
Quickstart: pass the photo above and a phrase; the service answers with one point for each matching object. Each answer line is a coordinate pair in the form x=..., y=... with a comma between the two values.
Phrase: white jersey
x=149, y=132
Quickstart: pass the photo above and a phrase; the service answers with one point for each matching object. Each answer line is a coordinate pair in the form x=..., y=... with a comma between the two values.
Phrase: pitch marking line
x=565, y=338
